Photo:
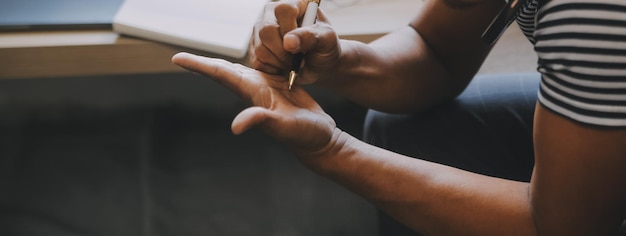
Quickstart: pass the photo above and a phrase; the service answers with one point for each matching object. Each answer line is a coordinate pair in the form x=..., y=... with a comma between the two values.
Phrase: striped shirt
x=581, y=47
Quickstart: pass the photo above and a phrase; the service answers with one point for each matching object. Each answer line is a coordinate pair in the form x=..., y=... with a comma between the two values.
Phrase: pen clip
x=501, y=22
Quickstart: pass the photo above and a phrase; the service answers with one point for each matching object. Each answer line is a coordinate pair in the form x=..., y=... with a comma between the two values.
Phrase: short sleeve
x=581, y=47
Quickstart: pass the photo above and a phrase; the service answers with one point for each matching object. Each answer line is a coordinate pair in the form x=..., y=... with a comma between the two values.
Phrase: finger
x=291, y=43
x=266, y=20
x=259, y=65
x=249, y=118
x=320, y=37
x=271, y=50
x=291, y=40
x=227, y=73
x=287, y=15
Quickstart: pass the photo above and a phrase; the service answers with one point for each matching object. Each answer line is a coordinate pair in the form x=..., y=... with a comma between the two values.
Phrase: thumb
x=319, y=37
x=249, y=118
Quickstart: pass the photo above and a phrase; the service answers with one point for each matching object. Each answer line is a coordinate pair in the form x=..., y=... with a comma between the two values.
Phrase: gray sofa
x=153, y=155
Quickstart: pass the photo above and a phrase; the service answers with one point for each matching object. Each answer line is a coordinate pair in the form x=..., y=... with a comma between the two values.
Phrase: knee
x=373, y=127
x=384, y=129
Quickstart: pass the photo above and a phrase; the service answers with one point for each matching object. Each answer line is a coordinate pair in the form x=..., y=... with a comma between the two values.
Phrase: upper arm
x=578, y=183
x=580, y=128
x=431, y=60
x=453, y=30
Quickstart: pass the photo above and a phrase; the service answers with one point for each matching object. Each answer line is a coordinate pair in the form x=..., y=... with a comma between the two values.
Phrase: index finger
x=226, y=73
x=287, y=15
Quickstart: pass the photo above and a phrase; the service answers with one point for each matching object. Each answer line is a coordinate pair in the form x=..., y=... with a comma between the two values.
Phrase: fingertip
x=288, y=10
x=236, y=127
x=237, y=130
x=291, y=43
x=180, y=57
x=248, y=118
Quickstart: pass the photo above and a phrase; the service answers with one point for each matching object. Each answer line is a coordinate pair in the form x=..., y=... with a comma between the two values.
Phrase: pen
x=309, y=18
x=501, y=22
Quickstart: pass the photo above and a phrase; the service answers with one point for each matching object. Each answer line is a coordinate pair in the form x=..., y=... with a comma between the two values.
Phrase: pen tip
x=292, y=78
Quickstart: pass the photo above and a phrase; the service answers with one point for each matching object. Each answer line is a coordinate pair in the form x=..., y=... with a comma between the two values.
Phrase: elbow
x=418, y=99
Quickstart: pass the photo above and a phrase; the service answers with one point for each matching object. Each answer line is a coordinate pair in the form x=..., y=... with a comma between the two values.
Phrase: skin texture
x=577, y=183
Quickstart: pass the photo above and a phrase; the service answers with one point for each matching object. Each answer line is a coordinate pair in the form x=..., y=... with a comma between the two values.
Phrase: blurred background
x=101, y=135
x=153, y=155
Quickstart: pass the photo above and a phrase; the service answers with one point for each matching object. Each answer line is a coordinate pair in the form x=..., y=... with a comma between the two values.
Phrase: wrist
x=327, y=158
x=347, y=65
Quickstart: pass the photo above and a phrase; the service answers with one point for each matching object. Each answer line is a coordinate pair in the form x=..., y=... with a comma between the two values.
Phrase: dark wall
x=153, y=155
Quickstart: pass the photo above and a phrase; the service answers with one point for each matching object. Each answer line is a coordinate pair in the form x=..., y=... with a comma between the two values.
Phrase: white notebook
x=218, y=26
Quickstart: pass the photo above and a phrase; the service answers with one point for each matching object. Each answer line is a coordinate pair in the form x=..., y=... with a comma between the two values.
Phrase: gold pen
x=309, y=19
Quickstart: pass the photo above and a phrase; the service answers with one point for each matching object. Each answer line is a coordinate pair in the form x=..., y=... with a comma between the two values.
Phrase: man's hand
x=292, y=117
x=276, y=38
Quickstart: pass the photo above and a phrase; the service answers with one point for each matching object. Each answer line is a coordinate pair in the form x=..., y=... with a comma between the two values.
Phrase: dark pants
x=487, y=130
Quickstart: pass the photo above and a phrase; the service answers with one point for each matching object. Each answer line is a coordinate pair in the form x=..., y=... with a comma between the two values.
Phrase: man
x=576, y=184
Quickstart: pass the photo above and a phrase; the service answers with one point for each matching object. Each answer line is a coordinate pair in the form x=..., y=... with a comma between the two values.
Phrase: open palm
x=292, y=117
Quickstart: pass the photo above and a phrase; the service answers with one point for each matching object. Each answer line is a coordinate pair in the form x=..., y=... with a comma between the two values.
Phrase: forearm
x=396, y=73
x=431, y=198
x=421, y=65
